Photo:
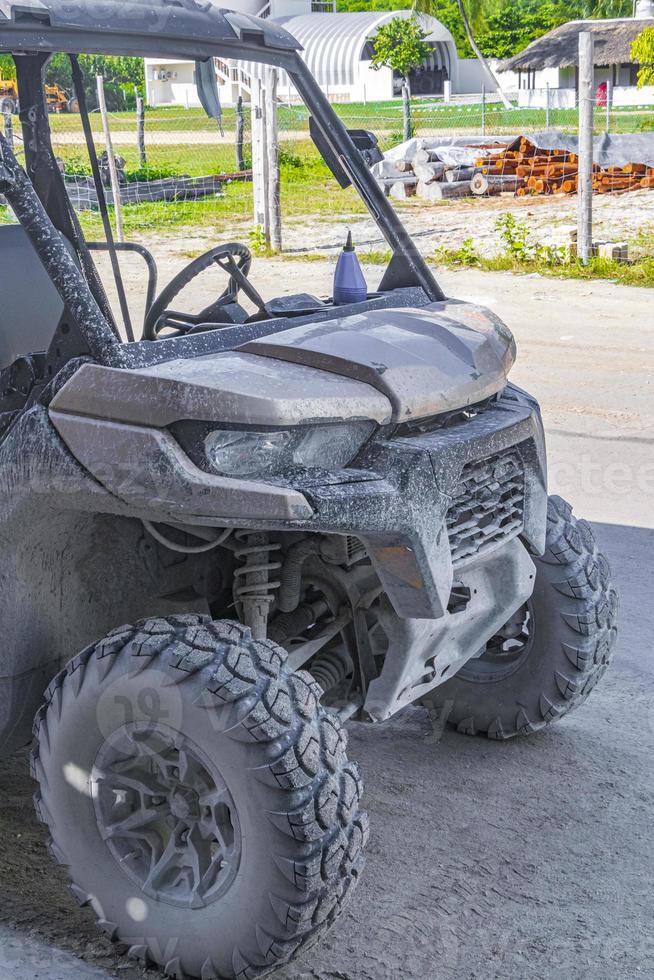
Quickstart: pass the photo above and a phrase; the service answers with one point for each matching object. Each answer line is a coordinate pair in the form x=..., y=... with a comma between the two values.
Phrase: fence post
x=609, y=100
x=113, y=173
x=585, y=195
x=406, y=111
x=9, y=129
x=260, y=161
x=240, y=133
x=140, y=131
x=548, y=106
x=272, y=150
x=483, y=110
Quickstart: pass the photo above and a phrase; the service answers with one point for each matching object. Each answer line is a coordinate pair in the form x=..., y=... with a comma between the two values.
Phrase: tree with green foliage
x=446, y=11
x=515, y=25
x=500, y=27
x=642, y=52
x=400, y=45
x=122, y=76
x=470, y=12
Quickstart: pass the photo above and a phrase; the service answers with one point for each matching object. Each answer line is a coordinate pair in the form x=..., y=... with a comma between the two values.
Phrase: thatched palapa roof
x=560, y=48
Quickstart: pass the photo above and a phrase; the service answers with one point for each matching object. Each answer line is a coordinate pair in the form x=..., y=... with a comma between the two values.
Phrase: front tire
x=553, y=653
x=199, y=796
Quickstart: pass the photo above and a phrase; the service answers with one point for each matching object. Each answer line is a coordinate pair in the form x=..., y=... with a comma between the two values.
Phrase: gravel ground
x=617, y=218
x=487, y=860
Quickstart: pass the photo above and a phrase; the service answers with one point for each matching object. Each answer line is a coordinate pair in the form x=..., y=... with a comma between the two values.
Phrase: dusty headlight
x=235, y=453
x=247, y=453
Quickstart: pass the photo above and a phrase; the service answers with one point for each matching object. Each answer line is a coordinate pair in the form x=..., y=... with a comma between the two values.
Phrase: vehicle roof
x=192, y=28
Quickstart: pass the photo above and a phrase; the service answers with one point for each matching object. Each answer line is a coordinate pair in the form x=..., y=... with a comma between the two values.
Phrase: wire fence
x=180, y=169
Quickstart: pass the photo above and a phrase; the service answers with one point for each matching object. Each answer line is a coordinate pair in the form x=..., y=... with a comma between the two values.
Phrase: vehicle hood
x=384, y=365
x=426, y=361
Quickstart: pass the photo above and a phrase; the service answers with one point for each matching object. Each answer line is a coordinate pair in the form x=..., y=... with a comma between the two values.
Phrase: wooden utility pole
x=272, y=148
x=406, y=107
x=113, y=173
x=140, y=131
x=260, y=161
x=240, y=134
x=586, y=105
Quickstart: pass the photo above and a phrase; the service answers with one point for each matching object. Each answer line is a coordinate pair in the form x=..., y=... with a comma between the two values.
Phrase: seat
x=30, y=306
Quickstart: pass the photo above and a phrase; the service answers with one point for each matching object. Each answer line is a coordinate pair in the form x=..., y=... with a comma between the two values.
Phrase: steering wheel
x=235, y=260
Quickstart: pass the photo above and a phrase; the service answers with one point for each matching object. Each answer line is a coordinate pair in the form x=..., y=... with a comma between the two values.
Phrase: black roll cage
x=41, y=202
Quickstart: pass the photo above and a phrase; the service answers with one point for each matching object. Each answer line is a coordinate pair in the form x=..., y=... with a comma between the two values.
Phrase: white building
x=548, y=67
x=338, y=49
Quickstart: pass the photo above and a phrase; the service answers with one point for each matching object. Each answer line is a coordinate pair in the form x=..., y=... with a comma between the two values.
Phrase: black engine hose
x=290, y=590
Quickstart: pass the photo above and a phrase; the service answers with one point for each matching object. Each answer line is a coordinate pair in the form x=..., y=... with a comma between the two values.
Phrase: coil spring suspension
x=253, y=582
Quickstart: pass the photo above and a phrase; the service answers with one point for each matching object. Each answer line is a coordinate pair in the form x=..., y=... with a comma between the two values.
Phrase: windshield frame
x=407, y=269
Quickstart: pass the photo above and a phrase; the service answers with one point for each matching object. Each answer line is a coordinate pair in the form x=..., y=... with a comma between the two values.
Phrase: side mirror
x=365, y=142
x=206, y=83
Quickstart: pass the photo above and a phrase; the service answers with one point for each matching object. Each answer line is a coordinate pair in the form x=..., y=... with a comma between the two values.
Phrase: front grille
x=433, y=423
x=489, y=507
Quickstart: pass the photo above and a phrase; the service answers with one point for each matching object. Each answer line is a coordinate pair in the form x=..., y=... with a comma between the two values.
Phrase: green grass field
x=307, y=187
x=429, y=115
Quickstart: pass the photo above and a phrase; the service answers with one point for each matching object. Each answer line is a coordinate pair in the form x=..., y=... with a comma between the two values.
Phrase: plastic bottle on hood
x=349, y=283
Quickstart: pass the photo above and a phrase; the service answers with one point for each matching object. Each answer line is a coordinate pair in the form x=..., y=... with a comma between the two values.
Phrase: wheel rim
x=166, y=815
x=506, y=651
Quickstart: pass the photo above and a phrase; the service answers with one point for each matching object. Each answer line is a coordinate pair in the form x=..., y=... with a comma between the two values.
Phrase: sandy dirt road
x=527, y=859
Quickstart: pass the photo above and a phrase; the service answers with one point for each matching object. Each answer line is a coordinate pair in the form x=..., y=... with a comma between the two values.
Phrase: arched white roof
x=334, y=43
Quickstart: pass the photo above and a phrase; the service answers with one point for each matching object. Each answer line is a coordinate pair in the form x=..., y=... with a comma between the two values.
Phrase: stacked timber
x=426, y=176
x=521, y=169
x=529, y=170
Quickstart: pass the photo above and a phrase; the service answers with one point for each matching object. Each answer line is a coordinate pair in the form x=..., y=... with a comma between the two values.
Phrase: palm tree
x=470, y=11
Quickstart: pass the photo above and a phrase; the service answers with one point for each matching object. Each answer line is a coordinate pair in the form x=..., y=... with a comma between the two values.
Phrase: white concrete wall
x=179, y=89
x=470, y=78
x=566, y=98
x=631, y=96
x=280, y=8
x=510, y=80
x=536, y=98
x=567, y=78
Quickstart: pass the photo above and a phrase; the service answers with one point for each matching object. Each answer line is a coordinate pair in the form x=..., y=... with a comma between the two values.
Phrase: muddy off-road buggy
x=306, y=515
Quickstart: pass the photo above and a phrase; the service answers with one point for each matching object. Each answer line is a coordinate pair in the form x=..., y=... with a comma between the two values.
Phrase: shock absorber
x=253, y=582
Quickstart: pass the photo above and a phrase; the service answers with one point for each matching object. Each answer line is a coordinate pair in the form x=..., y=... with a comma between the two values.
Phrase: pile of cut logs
x=521, y=169
x=427, y=177
x=538, y=171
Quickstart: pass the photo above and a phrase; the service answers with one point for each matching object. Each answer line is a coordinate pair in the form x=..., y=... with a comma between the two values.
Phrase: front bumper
x=398, y=501
x=400, y=504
